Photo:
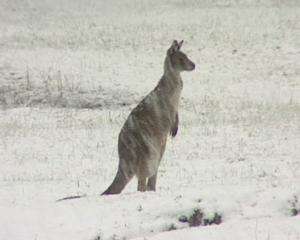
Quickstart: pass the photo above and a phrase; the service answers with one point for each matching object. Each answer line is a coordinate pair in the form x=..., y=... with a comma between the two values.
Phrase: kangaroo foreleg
x=174, y=128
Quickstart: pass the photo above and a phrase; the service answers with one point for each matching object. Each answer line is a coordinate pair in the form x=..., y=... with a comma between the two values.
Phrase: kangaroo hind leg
x=151, y=185
x=142, y=184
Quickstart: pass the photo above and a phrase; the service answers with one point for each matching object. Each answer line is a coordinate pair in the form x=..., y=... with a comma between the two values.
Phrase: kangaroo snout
x=192, y=66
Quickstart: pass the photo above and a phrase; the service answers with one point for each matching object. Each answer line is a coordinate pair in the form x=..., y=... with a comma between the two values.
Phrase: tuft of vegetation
x=172, y=227
x=57, y=89
x=294, y=210
x=183, y=219
x=196, y=219
x=217, y=219
x=199, y=219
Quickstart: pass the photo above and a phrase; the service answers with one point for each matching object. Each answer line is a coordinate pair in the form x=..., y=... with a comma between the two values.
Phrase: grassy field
x=70, y=72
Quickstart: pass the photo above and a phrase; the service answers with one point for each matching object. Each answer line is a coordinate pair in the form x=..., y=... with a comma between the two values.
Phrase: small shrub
x=183, y=219
x=294, y=211
x=293, y=206
x=217, y=219
x=172, y=227
x=196, y=218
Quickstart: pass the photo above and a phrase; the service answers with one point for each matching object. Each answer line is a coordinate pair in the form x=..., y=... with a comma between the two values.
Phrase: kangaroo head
x=179, y=61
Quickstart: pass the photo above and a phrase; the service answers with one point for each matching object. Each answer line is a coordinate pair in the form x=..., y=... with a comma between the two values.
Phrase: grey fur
x=143, y=137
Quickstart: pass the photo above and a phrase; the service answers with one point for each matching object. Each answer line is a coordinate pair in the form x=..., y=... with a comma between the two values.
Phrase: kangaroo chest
x=173, y=92
x=175, y=98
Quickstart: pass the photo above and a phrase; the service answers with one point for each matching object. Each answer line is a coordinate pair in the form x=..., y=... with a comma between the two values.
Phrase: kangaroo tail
x=118, y=183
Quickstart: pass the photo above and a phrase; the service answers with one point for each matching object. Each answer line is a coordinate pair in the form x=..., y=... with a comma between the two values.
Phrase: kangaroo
x=142, y=139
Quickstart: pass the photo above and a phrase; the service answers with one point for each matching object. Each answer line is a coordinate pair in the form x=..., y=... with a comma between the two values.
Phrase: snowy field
x=71, y=71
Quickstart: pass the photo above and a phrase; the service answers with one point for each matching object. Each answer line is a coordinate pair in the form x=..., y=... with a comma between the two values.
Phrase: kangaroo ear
x=175, y=43
x=174, y=47
x=180, y=44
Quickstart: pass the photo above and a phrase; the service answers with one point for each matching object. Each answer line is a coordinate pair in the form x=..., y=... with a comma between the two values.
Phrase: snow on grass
x=71, y=72
x=236, y=171
x=278, y=228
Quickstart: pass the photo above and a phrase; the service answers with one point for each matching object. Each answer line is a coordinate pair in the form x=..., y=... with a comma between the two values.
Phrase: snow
x=261, y=228
x=71, y=71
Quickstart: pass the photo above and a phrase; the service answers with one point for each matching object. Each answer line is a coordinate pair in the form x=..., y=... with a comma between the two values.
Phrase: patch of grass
x=294, y=211
x=198, y=218
x=216, y=219
x=294, y=208
x=56, y=89
x=172, y=227
x=183, y=219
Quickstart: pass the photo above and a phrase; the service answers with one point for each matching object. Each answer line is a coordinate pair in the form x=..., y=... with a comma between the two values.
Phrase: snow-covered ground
x=71, y=71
